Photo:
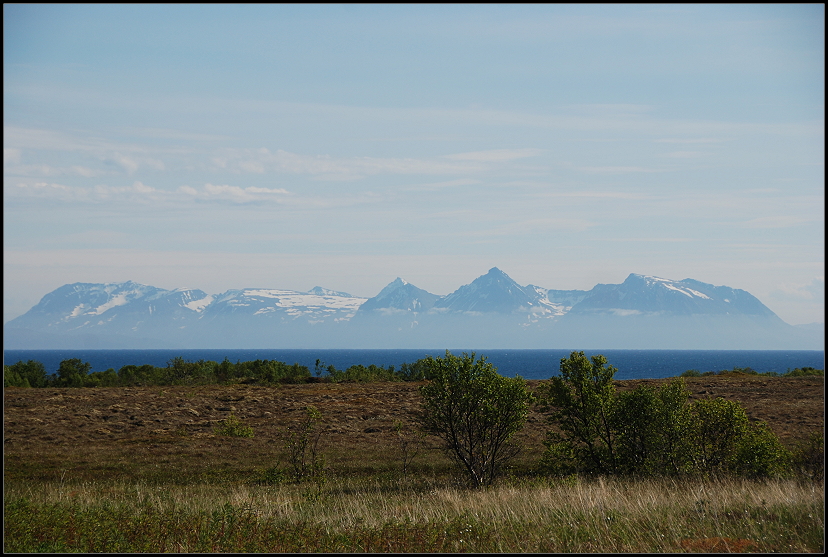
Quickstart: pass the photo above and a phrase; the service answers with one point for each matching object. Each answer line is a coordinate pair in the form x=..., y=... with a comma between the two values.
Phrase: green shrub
x=649, y=431
x=233, y=427
x=808, y=458
x=760, y=454
x=582, y=400
x=474, y=411
x=302, y=446
x=652, y=427
x=272, y=476
x=717, y=427
x=804, y=372
x=72, y=373
x=25, y=374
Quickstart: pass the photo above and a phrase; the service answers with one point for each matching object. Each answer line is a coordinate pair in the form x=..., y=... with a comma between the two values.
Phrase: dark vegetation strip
x=75, y=372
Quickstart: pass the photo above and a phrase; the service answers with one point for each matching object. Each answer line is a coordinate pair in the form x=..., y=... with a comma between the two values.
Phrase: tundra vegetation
x=483, y=464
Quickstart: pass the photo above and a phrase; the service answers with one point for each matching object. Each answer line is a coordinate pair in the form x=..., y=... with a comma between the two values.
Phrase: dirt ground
x=130, y=430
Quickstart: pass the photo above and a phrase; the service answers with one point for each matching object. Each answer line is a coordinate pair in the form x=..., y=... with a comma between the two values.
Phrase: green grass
x=414, y=515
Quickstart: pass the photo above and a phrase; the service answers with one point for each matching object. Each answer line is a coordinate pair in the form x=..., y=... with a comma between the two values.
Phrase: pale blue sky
x=221, y=147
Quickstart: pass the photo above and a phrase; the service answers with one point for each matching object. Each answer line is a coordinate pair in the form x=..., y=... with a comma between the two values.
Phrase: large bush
x=582, y=400
x=649, y=431
x=475, y=412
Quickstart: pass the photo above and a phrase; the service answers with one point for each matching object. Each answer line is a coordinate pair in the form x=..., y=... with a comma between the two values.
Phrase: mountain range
x=493, y=311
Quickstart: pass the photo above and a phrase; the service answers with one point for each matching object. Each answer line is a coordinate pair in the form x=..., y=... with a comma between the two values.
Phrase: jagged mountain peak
x=319, y=291
x=400, y=295
x=493, y=292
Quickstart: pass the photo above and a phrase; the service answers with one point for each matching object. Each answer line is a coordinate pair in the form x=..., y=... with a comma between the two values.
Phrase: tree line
x=74, y=372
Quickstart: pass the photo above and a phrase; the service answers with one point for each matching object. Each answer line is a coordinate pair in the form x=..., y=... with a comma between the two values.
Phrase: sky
x=289, y=146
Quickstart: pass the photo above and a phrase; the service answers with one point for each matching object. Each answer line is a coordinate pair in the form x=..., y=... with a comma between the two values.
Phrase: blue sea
x=529, y=364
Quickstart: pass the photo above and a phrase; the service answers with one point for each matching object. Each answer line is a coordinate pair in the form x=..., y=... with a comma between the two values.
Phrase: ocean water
x=529, y=364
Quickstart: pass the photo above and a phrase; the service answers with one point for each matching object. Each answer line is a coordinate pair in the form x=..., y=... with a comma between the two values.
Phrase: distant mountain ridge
x=492, y=311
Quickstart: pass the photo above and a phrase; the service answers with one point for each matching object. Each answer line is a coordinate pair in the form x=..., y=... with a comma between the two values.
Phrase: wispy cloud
x=233, y=193
x=495, y=155
x=619, y=169
x=777, y=221
x=813, y=291
x=684, y=154
x=62, y=192
x=691, y=140
x=326, y=167
x=435, y=186
x=11, y=156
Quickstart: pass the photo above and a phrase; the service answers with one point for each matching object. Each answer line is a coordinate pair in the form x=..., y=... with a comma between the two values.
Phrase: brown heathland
x=143, y=432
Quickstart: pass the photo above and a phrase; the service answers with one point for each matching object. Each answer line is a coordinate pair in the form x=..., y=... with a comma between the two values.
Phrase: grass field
x=142, y=470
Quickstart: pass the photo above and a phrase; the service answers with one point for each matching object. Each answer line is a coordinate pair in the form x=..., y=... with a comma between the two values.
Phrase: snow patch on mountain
x=199, y=305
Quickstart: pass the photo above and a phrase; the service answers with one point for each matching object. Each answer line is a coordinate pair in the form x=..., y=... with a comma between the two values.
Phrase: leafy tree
x=474, y=411
x=582, y=401
x=718, y=426
x=72, y=373
x=25, y=374
x=106, y=378
x=651, y=428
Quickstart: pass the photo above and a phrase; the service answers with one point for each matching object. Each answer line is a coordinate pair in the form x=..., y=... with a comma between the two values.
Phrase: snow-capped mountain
x=643, y=294
x=493, y=292
x=135, y=315
x=492, y=311
x=400, y=296
x=114, y=306
x=316, y=305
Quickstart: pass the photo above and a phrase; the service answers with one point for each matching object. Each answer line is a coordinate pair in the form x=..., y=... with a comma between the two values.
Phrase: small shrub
x=233, y=427
x=760, y=454
x=302, y=445
x=272, y=476
x=808, y=459
x=409, y=442
x=804, y=372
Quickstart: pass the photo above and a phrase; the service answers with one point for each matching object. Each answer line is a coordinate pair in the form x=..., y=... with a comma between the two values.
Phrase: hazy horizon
x=342, y=146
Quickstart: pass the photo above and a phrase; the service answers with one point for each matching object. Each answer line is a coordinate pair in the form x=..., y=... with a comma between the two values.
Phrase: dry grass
x=603, y=515
x=141, y=470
